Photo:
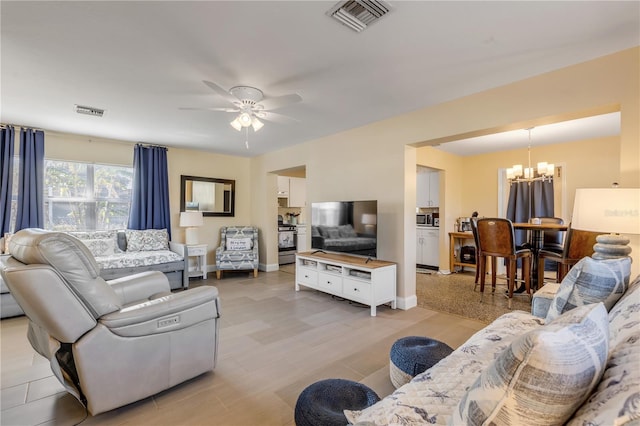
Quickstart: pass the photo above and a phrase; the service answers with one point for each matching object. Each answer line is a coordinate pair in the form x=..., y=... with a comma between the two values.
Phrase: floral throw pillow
x=147, y=239
x=100, y=246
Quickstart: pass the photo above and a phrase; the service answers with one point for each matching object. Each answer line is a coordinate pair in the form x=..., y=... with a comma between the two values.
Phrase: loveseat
x=342, y=238
x=580, y=365
x=126, y=252
x=119, y=254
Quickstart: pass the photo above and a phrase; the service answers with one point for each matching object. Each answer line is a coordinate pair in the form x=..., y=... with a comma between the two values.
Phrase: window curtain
x=31, y=180
x=7, y=147
x=527, y=200
x=150, y=197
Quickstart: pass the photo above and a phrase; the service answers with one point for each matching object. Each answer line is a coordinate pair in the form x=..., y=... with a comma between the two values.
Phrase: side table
x=197, y=268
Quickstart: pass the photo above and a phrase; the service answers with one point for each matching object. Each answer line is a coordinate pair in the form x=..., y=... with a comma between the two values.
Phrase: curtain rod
x=149, y=145
x=3, y=125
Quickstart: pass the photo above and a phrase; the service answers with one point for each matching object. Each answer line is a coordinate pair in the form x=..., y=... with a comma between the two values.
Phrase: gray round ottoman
x=413, y=355
x=321, y=403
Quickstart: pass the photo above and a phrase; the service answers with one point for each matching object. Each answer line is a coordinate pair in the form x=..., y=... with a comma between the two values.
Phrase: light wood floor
x=274, y=342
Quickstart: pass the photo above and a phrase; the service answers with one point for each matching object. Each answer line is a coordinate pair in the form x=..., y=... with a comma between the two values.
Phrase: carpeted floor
x=454, y=294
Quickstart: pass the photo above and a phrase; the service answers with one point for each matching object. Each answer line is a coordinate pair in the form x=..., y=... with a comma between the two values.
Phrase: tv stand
x=363, y=280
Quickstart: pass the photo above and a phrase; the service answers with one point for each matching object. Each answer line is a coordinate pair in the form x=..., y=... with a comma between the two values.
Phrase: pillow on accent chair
x=591, y=281
x=544, y=375
x=239, y=244
x=147, y=239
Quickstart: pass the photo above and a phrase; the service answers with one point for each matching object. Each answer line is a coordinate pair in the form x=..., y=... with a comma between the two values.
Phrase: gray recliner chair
x=109, y=343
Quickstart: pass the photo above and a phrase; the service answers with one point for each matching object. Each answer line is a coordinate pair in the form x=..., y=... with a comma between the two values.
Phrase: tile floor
x=274, y=342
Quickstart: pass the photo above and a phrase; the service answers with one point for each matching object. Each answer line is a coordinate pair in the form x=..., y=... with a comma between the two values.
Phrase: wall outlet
x=166, y=322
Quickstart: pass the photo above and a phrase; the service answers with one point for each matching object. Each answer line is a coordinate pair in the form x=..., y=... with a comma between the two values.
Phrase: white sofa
x=120, y=254
x=505, y=372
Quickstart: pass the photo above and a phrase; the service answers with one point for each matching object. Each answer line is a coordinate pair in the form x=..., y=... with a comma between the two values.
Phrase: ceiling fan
x=251, y=105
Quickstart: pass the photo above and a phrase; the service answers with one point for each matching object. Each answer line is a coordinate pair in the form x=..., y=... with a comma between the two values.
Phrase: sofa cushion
x=147, y=240
x=616, y=400
x=137, y=259
x=544, y=375
x=591, y=281
x=431, y=396
x=99, y=243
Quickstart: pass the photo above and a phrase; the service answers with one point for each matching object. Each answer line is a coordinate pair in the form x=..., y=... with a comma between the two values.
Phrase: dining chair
x=552, y=240
x=474, y=231
x=578, y=244
x=496, y=239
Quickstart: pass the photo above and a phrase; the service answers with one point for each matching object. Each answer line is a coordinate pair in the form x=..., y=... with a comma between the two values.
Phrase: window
x=84, y=196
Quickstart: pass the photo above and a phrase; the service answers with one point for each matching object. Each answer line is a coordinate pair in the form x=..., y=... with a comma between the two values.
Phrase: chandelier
x=544, y=171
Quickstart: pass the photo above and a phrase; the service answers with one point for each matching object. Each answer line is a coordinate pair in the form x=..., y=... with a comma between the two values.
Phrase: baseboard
x=269, y=268
x=406, y=303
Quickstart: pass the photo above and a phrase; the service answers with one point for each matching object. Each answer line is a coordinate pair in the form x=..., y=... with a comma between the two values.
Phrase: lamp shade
x=191, y=219
x=614, y=210
x=368, y=219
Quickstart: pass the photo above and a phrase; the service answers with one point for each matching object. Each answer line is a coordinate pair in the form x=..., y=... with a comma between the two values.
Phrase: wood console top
x=345, y=258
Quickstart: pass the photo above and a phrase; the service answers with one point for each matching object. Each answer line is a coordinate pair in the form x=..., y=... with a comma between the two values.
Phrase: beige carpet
x=454, y=294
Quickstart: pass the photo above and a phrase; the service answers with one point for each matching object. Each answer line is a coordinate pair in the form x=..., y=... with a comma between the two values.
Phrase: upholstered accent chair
x=108, y=343
x=238, y=250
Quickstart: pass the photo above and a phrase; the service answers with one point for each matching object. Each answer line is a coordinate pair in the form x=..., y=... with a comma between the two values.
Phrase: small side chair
x=238, y=250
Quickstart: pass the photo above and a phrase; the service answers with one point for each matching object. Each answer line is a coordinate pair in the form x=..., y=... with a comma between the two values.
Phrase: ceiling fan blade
x=209, y=109
x=277, y=118
x=280, y=101
x=220, y=91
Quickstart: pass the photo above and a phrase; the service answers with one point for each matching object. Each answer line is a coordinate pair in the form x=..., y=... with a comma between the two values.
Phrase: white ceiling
x=142, y=61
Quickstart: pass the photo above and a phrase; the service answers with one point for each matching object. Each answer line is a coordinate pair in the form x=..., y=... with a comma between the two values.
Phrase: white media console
x=371, y=282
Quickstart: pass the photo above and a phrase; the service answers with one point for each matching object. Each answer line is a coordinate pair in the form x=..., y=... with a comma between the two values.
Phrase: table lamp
x=612, y=210
x=369, y=221
x=191, y=220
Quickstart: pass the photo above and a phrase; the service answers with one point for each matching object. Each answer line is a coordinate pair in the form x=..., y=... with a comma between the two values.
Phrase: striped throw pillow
x=591, y=281
x=543, y=376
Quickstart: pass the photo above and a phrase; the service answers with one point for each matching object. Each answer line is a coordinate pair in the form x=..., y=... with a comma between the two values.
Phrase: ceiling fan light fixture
x=236, y=124
x=256, y=124
x=245, y=119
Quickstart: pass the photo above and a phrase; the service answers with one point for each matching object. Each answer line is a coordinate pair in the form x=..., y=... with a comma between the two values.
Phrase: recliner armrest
x=168, y=313
x=140, y=286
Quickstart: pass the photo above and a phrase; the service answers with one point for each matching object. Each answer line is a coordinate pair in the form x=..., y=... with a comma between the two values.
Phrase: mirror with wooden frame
x=211, y=196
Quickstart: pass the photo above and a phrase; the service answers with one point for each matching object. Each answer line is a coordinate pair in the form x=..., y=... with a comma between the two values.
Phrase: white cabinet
x=283, y=187
x=370, y=282
x=297, y=192
x=427, y=246
x=294, y=190
x=427, y=188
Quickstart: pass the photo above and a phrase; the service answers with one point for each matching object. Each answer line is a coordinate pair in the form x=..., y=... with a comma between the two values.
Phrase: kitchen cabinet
x=427, y=246
x=427, y=188
x=297, y=192
x=294, y=190
x=283, y=187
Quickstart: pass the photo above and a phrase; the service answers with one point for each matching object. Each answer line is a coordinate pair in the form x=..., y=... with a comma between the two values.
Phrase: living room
x=377, y=160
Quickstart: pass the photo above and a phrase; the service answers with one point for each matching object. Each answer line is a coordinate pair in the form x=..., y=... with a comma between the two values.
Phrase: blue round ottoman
x=413, y=355
x=321, y=403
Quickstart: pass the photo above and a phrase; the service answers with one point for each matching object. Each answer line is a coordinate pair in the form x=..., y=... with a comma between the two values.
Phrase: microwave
x=423, y=219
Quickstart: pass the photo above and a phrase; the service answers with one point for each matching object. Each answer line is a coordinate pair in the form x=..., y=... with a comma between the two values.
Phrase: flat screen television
x=349, y=227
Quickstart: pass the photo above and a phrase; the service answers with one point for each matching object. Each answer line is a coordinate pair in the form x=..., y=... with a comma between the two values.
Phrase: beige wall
x=372, y=162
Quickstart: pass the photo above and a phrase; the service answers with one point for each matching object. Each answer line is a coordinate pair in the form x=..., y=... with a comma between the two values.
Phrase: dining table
x=536, y=241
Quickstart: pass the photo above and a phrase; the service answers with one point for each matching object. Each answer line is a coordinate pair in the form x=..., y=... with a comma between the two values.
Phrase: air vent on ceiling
x=96, y=112
x=358, y=14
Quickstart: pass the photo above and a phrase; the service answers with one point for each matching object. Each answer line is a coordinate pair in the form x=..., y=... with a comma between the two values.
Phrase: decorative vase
x=294, y=220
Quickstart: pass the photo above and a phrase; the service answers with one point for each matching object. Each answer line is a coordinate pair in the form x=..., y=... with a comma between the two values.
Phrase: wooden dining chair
x=474, y=231
x=496, y=239
x=578, y=244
